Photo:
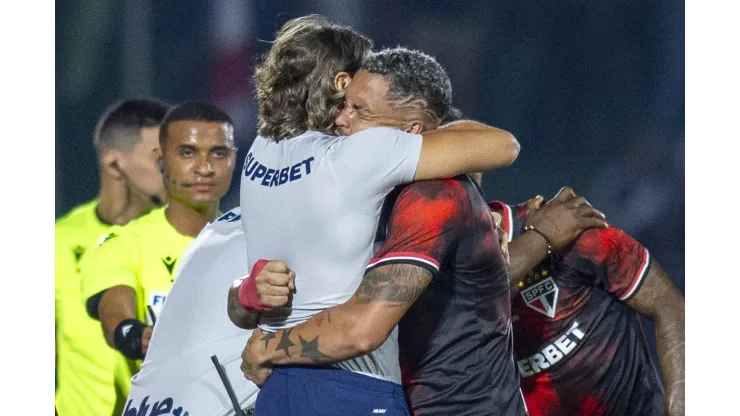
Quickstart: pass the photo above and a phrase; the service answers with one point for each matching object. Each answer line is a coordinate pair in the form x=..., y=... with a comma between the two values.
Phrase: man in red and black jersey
x=439, y=272
x=578, y=340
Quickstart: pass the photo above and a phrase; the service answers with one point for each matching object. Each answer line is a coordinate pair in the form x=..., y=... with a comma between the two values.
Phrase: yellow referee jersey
x=85, y=362
x=142, y=255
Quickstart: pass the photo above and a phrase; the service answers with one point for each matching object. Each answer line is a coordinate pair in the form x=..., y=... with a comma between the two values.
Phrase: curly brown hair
x=295, y=81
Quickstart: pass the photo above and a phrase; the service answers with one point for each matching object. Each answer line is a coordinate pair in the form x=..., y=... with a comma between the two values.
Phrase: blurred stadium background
x=594, y=91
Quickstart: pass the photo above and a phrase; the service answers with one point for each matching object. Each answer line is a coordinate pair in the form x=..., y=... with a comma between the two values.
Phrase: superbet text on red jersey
x=580, y=350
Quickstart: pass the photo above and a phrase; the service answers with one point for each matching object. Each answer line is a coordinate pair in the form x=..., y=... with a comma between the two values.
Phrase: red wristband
x=248, y=290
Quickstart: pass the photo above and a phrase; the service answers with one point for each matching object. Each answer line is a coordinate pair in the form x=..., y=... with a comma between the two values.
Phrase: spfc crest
x=542, y=297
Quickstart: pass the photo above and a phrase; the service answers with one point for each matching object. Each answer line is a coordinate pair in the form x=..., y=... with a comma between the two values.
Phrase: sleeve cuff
x=415, y=259
x=639, y=279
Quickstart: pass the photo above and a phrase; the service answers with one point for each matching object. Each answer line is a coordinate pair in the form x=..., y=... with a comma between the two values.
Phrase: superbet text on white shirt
x=314, y=201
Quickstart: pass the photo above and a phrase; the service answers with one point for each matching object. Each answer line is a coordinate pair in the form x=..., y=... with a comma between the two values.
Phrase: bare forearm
x=351, y=329
x=239, y=315
x=327, y=338
x=525, y=253
x=659, y=300
x=465, y=147
x=116, y=305
x=670, y=336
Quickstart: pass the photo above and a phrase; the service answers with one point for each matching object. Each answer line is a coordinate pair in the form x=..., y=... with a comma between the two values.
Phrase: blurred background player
x=132, y=269
x=340, y=184
x=576, y=309
x=130, y=185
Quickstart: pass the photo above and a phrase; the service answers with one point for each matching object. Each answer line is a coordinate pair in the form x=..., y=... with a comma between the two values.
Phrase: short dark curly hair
x=415, y=79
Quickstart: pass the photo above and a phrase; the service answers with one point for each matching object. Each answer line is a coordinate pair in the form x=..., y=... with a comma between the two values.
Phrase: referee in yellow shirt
x=133, y=267
x=130, y=185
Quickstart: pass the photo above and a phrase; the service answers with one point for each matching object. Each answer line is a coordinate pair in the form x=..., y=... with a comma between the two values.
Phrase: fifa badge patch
x=542, y=297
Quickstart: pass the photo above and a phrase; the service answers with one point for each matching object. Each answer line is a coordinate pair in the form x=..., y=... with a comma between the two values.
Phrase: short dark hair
x=295, y=81
x=414, y=78
x=193, y=111
x=120, y=125
x=454, y=114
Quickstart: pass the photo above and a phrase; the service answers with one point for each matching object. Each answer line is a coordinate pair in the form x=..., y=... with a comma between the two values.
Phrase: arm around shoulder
x=465, y=147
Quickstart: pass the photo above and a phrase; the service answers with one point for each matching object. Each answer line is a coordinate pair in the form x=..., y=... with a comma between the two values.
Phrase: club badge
x=542, y=297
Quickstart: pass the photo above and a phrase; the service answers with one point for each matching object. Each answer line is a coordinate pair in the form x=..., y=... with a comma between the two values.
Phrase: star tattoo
x=285, y=342
x=269, y=336
x=310, y=350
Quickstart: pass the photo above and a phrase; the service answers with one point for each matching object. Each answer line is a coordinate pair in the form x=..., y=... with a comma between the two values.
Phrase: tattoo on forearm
x=398, y=284
x=319, y=318
x=269, y=336
x=285, y=342
x=310, y=350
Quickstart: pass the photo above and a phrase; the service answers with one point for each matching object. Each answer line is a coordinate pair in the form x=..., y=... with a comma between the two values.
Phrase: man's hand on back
x=275, y=284
x=563, y=218
x=271, y=288
x=253, y=365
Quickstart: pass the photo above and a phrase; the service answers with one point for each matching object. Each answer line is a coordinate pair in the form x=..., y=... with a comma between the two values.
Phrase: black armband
x=92, y=304
x=127, y=338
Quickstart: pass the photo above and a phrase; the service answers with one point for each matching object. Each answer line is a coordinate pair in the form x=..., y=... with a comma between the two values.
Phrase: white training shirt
x=193, y=326
x=314, y=201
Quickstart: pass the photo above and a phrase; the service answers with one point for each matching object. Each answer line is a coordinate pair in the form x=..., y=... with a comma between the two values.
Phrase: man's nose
x=204, y=167
x=343, y=118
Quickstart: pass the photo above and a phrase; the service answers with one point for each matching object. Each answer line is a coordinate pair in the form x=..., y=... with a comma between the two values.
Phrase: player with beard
x=576, y=308
x=126, y=279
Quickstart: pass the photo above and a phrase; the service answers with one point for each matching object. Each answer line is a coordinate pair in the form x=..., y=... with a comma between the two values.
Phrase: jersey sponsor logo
x=106, y=237
x=257, y=172
x=156, y=301
x=542, y=297
x=160, y=407
x=229, y=217
x=551, y=353
x=169, y=263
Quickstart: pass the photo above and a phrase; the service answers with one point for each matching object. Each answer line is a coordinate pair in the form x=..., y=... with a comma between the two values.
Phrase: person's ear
x=110, y=162
x=416, y=127
x=342, y=80
x=156, y=156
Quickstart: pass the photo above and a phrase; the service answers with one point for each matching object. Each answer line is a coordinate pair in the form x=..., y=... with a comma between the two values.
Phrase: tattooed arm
x=354, y=328
x=415, y=248
x=660, y=301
